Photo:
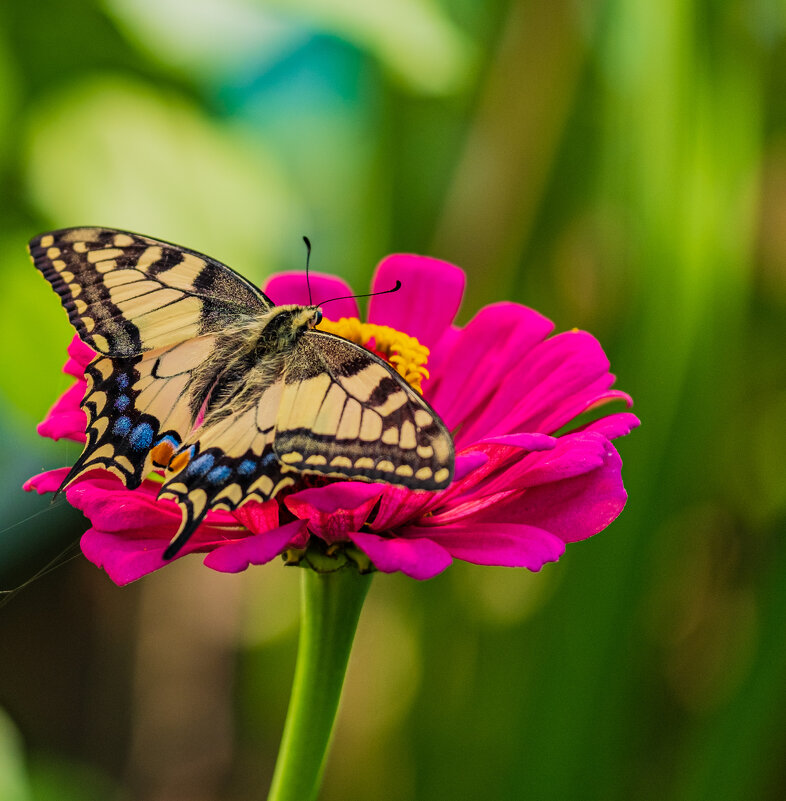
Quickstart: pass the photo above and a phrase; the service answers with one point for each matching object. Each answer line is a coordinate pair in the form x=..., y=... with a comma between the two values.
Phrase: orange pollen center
x=403, y=352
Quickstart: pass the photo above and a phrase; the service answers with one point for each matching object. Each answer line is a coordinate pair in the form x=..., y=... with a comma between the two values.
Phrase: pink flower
x=501, y=383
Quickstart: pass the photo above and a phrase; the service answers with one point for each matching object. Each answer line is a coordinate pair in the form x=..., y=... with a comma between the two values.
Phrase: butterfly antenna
x=367, y=295
x=308, y=259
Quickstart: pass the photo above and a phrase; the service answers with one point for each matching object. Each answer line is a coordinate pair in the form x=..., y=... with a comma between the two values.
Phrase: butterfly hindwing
x=345, y=413
x=139, y=409
x=229, y=459
x=329, y=408
x=126, y=293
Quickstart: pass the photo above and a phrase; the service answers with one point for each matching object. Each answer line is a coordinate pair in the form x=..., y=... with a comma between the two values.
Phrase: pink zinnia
x=500, y=383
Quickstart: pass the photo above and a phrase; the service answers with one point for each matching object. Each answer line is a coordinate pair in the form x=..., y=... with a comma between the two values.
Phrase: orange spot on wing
x=162, y=453
x=180, y=461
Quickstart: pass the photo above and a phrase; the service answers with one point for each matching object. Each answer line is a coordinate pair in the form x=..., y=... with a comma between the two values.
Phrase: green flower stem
x=331, y=604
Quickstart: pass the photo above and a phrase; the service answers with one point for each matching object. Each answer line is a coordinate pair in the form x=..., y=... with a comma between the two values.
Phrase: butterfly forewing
x=126, y=293
x=345, y=413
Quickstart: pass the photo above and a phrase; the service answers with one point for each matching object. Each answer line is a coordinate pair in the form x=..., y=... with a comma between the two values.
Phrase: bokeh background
x=619, y=165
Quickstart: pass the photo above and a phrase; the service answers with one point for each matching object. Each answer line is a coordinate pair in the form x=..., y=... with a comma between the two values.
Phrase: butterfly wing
x=328, y=408
x=126, y=294
x=140, y=408
x=345, y=413
x=162, y=318
x=229, y=459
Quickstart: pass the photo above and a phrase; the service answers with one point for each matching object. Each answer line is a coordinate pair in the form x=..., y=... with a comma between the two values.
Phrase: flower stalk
x=330, y=610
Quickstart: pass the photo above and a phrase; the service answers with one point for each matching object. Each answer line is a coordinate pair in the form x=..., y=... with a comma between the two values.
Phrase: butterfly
x=199, y=374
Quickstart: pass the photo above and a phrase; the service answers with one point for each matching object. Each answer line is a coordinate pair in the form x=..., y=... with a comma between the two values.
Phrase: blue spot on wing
x=246, y=467
x=122, y=380
x=141, y=438
x=200, y=466
x=218, y=475
x=122, y=426
x=121, y=402
x=269, y=459
x=175, y=442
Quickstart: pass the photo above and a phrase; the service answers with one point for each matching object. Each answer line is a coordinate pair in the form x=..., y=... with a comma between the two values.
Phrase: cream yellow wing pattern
x=139, y=409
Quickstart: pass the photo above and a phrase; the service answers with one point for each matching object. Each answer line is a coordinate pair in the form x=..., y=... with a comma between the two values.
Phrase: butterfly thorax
x=252, y=357
x=282, y=327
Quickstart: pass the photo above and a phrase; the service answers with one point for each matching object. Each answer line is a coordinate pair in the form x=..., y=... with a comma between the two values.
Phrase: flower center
x=407, y=356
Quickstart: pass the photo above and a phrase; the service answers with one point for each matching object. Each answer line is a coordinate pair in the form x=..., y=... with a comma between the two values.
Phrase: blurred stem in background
x=511, y=143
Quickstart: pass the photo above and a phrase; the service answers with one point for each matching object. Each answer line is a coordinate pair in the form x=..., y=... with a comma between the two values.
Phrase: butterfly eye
x=317, y=317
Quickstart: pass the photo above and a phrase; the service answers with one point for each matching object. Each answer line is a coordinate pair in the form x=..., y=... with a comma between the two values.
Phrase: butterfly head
x=286, y=324
x=304, y=317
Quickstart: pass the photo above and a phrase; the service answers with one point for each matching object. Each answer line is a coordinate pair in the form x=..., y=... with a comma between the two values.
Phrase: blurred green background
x=619, y=165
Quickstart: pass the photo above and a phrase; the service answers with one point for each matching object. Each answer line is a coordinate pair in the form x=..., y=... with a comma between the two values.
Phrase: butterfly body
x=200, y=374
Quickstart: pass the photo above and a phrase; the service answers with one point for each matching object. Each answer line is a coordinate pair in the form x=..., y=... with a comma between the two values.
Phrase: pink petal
x=48, y=481
x=466, y=505
x=437, y=358
x=615, y=425
x=335, y=510
x=418, y=558
x=427, y=302
x=500, y=452
x=126, y=559
x=113, y=508
x=79, y=356
x=398, y=505
x=66, y=419
x=545, y=385
x=236, y=556
x=485, y=352
x=574, y=455
x=131, y=529
x=467, y=463
x=524, y=441
x=258, y=517
x=584, y=401
x=573, y=509
x=505, y=544
x=284, y=288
